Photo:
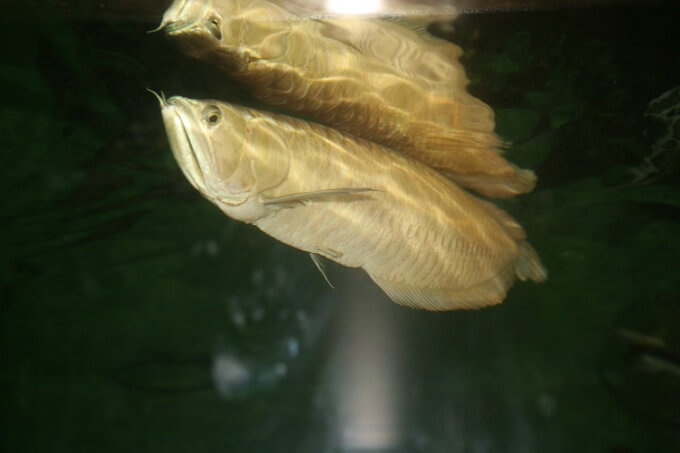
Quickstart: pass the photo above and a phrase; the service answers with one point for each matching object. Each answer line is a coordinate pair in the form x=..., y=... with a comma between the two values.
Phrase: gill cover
x=208, y=150
x=227, y=152
x=230, y=178
x=249, y=154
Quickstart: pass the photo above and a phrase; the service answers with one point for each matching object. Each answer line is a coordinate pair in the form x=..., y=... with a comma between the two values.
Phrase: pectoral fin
x=319, y=195
x=319, y=265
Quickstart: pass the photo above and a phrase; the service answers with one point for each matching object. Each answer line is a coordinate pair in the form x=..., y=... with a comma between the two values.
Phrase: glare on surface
x=366, y=377
x=354, y=6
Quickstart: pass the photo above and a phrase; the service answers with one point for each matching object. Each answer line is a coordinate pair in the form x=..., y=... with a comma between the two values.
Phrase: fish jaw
x=198, y=20
x=178, y=120
x=184, y=14
x=213, y=163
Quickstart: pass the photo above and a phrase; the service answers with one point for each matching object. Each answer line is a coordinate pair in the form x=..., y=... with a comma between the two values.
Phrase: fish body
x=373, y=78
x=426, y=242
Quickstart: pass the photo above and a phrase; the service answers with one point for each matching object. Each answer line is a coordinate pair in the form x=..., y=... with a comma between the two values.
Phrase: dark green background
x=120, y=286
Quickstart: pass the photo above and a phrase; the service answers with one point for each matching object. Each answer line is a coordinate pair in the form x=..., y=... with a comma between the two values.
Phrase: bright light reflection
x=354, y=6
x=367, y=377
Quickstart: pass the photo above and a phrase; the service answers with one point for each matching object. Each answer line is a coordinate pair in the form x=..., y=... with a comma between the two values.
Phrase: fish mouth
x=177, y=27
x=171, y=21
x=186, y=16
x=177, y=118
x=191, y=148
x=174, y=27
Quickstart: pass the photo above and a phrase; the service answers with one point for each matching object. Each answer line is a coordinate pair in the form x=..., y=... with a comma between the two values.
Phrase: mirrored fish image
x=388, y=81
x=427, y=243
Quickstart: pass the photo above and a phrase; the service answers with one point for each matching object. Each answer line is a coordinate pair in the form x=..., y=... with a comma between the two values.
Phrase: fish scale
x=425, y=241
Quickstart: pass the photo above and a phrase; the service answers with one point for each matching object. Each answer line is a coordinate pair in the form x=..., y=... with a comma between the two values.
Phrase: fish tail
x=528, y=265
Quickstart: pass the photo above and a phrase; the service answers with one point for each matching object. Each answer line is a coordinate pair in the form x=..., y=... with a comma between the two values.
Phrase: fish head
x=206, y=27
x=209, y=140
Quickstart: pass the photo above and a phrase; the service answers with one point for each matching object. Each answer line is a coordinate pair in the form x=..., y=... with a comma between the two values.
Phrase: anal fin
x=490, y=292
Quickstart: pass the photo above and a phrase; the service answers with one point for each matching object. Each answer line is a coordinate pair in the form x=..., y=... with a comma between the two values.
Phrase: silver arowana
x=374, y=78
x=424, y=241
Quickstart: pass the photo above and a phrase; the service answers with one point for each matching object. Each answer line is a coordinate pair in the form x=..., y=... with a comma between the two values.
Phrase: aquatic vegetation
x=662, y=158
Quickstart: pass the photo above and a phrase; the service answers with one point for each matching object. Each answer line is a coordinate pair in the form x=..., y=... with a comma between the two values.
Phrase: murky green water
x=136, y=317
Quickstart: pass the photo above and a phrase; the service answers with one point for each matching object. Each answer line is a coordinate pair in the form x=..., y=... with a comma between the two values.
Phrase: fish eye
x=212, y=116
x=213, y=24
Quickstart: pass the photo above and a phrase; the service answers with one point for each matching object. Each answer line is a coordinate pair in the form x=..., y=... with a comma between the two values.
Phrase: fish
x=426, y=242
x=386, y=81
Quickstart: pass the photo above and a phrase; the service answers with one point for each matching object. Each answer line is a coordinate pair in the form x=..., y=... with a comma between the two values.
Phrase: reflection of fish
x=424, y=241
x=374, y=78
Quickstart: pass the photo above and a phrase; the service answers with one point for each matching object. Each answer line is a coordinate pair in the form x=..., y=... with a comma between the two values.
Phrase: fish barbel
x=374, y=78
x=424, y=241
